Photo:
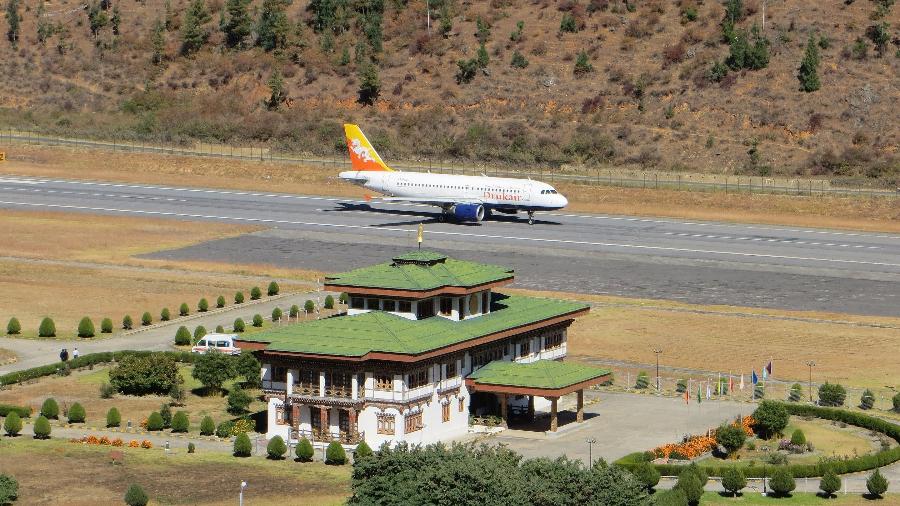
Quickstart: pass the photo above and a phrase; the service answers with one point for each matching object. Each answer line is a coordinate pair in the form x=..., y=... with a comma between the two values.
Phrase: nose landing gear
x=531, y=217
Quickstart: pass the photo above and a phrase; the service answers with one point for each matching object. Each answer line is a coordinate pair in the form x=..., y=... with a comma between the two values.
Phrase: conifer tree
x=273, y=28
x=12, y=19
x=278, y=95
x=238, y=25
x=369, y=87
x=116, y=20
x=159, y=43
x=44, y=28
x=808, y=72
x=194, y=34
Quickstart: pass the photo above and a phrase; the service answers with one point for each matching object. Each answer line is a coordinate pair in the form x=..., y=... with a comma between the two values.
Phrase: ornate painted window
x=384, y=382
x=413, y=423
x=385, y=423
x=417, y=379
x=445, y=412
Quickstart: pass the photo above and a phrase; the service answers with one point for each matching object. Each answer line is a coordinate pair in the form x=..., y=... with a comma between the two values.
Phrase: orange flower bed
x=747, y=424
x=146, y=444
x=695, y=446
x=134, y=444
x=117, y=442
x=104, y=441
x=92, y=440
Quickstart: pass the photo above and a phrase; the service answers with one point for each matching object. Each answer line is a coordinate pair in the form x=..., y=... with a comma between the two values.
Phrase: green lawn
x=798, y=499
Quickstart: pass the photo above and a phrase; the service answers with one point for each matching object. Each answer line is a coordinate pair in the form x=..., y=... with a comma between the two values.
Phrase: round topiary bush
x=294, y=311
x=255, y=293
x=257, y=320
x=85, y=328
x=759, y=390
x=76, y=413
x=199, y=332
x=830, y=483
x=203, y=305
x=335, y=454
x=796, y=393
x=165, y=315
x=242, y=445
x=798, y=437
x=238, y=325
x=106, y=326
x=182, y=336
x=309, y=306
x=47, y=328
x=113, y=418
x=155, y=421
x=782, y=482
x=343, y=298
x=135, y=496
x=363, y=450
x=731, y=437
x=12, y=425
x=273, y=289
x=876, y=484
x=41, y=428
x=681, y=386
x=277, y=314
x=184, y=309
x=127, y=323
x=733, y=480
x=180, y=422
x=224, y=429
x=304, y=450
x=191, y=448
x=220, y=329
x=13, y=327
x=146, y=319
x=50, y=409
x=643, y=381
x=238, y=401
x=220, y=301
x=329, y=302
x=207, y=426
x=276, y=448
x=832, y=394
x=771, y=418
x=867, y=401
x=239, y=297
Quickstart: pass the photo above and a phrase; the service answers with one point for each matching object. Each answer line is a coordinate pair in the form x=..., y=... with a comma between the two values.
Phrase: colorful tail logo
x=363, y=156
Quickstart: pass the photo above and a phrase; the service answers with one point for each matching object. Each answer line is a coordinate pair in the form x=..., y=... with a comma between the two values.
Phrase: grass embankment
x=873, y=214
x=67, y=266
x=59, y=472
x=797, y=499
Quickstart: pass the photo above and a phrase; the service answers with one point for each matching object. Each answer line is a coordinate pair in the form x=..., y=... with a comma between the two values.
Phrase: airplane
x=461, y=198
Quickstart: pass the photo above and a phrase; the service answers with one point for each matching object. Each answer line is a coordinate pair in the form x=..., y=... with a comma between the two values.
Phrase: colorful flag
x=707, y=391
x=687, y=396
x=765, y=373
x=699, y=395
x=730, y=383
x=742, y=382
x=769, y=368
x=754, y=378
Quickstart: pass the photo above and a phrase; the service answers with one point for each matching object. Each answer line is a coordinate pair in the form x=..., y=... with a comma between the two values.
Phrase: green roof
x=422, y=271
x=378, y=331
x=544, y=374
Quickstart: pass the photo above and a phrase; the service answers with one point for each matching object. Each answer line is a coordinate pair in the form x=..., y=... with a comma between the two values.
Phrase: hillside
x=648, y=100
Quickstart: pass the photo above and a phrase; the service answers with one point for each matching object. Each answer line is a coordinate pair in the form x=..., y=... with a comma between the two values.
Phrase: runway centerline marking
x=455, y=234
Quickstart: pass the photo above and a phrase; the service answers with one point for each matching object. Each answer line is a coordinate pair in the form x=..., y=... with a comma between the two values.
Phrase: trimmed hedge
x=854, y=465
x=22, y=411
x=89, y=360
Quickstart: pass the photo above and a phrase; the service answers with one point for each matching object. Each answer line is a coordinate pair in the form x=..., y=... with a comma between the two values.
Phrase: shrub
x=180, y=422
x=759, y=390
x=690, y=485
x=798, y=438
x=796, y=393
x=257, y=320
x=239, y=298
x=207, y=426
x=582, y=64
x=896, y=402
x=335, y=454
x=224, y=429
x=273, y=289
x=681, y=386
x=568, y=24
x=127, y=323
x=242, y=426
x=362, y=451
x=276, y=448
x=277, y=314
x=213, y=369
x=304, y=450
x=9, y=489
x=106, y=326
x=876, y=484
x=203, y=306
x=41, y=428
x=113, y=418
x=220, y=301
x=164, y=315
x=199, y=333
x=867, y=400
x=832, y=394
x=184, y=309
x=13, y=327
x=155, y=421
x=76, y=413
x=343, y=298
x=191, y=448
x=771, y=418
x=731, y=437
x=733, y=480
x=86, y=328
x=146, y=319
x=309, y=306
x=671, y=497
x=642, y=381
x=165, y=411
x=238, y=401
x=12, y=425
x=248, y=367
x=830, y=483
x=22, y=411
x=238, y=325
x=329, y=302
x=647, y=474
x=50, y=409
x=47, y=328
x=220, y=329
x=135, y=496
x=182, y=336
x=242, y=446
x=782, y=481
x=255, y=293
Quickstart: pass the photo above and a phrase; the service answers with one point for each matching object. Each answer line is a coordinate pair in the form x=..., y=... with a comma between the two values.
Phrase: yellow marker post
x=419, y=236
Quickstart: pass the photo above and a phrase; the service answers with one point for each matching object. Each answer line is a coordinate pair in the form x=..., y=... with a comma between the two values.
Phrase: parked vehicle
x=223, y=343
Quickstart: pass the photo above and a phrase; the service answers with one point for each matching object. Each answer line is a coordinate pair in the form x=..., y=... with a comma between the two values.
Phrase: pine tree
x=159, y=43
x=13, y=18
x=758, y=55
x=582, y=64
x=44, y=28
x=808, y=72
x=482, y=57
x=877, y=484
x=369, y=88
x=278, y=95
x=116, y=20
x=194, y=34
x=169, y=16
x=238, y=24
x=273, y=28
x=830, y=483
x=739, y=47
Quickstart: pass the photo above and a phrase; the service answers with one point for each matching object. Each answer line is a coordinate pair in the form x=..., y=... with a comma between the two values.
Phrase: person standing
x=75, y=353
x=63, y=355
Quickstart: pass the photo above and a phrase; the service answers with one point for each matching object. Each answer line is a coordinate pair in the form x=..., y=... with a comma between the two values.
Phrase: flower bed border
x=853, y=465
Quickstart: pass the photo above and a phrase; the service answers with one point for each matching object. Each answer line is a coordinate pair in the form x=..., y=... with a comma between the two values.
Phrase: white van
x=223, y=343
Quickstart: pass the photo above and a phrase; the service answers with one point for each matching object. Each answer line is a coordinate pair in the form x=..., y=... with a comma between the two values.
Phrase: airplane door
x=527, y=191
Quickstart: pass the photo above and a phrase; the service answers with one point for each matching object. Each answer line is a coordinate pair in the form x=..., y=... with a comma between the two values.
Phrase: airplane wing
x=433, y=201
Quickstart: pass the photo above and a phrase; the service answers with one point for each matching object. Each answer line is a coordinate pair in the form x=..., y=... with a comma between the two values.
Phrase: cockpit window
x=551, y=191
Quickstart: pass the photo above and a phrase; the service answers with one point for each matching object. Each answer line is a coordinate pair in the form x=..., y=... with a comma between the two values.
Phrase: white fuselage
x=505, y=194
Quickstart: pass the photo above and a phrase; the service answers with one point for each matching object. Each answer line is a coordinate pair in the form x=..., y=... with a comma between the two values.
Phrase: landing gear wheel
x=442, y=217
x=531, y=217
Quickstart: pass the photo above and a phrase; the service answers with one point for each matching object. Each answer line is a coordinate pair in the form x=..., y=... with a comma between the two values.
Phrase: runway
x=691, y=261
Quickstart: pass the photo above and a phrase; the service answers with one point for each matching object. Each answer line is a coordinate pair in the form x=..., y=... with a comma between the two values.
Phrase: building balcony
x=374, y=395
x=449, y=384
x=327, y=436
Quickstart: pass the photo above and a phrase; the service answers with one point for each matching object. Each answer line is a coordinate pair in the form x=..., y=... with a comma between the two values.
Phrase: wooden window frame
x=445, y=412
x=386, y=423
x=404, y=306
x=357, y=303
x=279, y=374
x=417, y=379
x=389, y=305
x=462, y=405
x=413, y=423
x=452, y=370
x=384, y=386
x=446, y=306
x=553, y=341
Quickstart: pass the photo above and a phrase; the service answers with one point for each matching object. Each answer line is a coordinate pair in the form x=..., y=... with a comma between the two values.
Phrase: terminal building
x=426, y=341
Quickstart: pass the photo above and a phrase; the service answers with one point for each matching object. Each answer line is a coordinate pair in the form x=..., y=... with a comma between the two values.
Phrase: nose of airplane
x=563, y=201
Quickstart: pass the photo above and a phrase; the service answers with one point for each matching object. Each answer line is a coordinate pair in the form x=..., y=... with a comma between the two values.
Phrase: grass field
x=881, y=214
x=798, y=499
x=58, y=472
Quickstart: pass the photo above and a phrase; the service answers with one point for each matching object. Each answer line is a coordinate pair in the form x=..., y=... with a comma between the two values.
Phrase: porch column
x=352, y=415
x=289, y=382
x=579, y=415
x=553, y=422
x=295, y=416
x=354, y=387
x=503, y=408
x=325, y=421
x=531, y=407
x=321, y=383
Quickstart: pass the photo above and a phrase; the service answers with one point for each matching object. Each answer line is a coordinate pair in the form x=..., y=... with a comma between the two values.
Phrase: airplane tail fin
x=363, y=156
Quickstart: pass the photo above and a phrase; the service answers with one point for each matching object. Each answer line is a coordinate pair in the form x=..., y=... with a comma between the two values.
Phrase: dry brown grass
x=7, y=356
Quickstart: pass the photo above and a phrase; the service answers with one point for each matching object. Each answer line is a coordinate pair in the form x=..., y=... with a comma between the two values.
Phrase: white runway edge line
x=457, y=234
x=26, y=180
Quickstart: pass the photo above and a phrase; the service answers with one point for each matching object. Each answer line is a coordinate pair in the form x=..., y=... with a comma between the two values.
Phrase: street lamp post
x=590, y=443
x=241, y=496
x=657, y=351
x=811, y=364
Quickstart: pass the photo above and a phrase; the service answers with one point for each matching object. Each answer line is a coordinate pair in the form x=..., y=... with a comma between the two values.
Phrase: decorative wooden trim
x=416, y=294
x=540, y=392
